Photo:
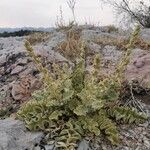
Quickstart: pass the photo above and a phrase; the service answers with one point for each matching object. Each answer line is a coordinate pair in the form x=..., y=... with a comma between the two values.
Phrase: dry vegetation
x=71, y=47
x=121, y=43
x=38, y=37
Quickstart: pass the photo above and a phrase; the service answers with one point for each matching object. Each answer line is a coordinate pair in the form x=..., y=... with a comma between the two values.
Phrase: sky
x=43, y=13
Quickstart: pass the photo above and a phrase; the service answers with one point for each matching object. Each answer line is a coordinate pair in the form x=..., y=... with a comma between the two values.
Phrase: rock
x=139, y=68
x=22, y=61
x=89, y=35
x=145, y=34
x=21, y=90
x=49, y=147
x=94, y=48
x=111, y=53
x=14, y=136
x=2, y=60
x=147, y=142
x=83, y=145
x=17, y=70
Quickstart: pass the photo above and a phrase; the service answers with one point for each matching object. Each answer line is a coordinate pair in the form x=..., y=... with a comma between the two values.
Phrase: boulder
x=14, y=136
x=139, y=68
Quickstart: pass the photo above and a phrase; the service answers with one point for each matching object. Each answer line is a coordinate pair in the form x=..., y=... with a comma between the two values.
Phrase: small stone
x=146, y=142
x=83, y=145
x=2, y=60
x=146, y=124
x=17, y=70
x=49, y=147
x=22, y=61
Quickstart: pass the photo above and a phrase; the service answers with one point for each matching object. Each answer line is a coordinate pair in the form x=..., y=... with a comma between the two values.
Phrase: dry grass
x=65, y=26
x=38, y=37
x=121, y=43
x=71, y=47
x=142, y=44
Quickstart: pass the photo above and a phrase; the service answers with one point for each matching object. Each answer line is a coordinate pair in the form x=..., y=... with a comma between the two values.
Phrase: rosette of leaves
x=75, y=104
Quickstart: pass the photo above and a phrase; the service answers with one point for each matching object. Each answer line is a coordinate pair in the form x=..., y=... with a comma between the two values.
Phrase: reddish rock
x=139, y=68
x=22, y=89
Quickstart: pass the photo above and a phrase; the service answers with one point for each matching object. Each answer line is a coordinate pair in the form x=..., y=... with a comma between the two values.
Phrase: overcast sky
x=37, y=13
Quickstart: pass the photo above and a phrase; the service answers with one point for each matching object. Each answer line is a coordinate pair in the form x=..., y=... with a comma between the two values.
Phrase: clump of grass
x=71, y=47
x=38, y=37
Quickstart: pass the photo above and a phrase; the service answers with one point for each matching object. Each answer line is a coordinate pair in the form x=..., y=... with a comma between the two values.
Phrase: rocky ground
x=19, y=78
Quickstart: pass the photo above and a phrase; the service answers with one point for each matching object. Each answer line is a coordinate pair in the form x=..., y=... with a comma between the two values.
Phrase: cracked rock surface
x=14, y=136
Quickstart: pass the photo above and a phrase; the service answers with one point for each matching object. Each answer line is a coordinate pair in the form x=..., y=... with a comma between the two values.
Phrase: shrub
x=74, y=104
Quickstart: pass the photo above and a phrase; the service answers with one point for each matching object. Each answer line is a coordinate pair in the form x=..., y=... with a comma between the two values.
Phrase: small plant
x=72, y=4
x=74, y=104
x=61, y=25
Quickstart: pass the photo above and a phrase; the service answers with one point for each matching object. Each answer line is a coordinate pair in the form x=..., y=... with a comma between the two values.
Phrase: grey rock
x=111, y=53
x=145, y=34
x=94, y=47
x=96, y=34
x=83, y=145
x=14, y=136
x=147, y=142
x=49, y=147
x=17, y=70
x=22, y=61
x=2, y=60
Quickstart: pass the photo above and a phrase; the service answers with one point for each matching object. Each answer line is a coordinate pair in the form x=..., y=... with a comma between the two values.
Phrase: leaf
x=54, y=115
x=81, y=110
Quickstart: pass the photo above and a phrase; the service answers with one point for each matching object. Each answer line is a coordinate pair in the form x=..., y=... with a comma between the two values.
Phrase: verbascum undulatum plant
x=75, y=104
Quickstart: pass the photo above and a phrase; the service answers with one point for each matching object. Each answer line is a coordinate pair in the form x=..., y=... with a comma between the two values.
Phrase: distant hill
x=12, y=32
x=2, y=30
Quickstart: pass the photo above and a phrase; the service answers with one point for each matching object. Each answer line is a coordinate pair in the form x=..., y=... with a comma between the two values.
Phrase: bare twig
x=134, y=102
x=139, y=13
x=71, y=4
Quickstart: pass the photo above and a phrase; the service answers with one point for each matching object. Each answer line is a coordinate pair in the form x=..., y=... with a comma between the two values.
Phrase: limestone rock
x=145, y=34
x=14, y=136
x=17, y=70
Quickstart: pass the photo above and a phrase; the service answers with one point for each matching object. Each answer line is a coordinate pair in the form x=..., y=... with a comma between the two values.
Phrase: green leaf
x=81, y=110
